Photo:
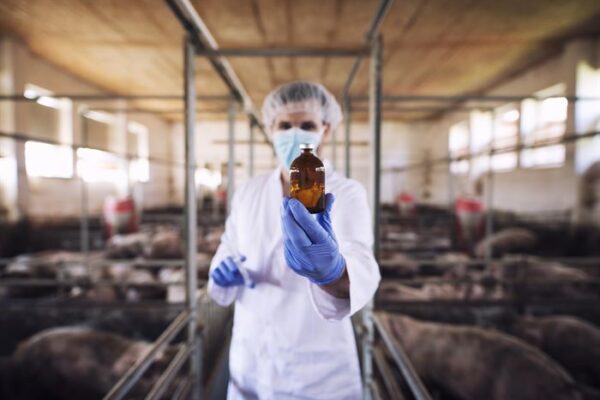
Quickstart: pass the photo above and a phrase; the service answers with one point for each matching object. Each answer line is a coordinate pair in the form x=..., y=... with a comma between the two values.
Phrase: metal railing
x=133, y=375
x=403, y=363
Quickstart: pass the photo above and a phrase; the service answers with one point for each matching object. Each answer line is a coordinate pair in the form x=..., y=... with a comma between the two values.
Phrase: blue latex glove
x=309, y=244
x=227, y=274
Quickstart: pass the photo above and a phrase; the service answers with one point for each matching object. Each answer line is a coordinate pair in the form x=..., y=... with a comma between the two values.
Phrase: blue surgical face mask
x=287, y=143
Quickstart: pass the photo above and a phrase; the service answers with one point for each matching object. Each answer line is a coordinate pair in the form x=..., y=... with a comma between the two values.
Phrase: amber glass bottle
x=307, y=180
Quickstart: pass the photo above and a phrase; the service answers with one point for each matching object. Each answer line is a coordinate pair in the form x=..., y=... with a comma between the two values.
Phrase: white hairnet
x=302, y=96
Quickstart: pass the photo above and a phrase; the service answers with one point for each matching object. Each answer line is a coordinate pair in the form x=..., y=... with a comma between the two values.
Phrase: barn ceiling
x=431, y=46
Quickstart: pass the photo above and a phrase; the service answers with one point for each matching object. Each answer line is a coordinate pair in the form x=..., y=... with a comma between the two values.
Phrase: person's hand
x=227, y=274
x=309, y=244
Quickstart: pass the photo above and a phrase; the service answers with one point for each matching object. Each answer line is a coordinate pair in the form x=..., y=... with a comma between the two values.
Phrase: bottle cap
x=305, y=146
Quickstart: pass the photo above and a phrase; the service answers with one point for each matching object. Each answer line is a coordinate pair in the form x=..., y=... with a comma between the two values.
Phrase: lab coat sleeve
x=351, y=220
x=224, y=296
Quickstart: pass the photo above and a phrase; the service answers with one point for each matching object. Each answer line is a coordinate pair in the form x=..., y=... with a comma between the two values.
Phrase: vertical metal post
x=451, y=208
x=334, y=148
x=84, y=224
x=489, y=217
x=347, y=124
x=251, y=150
x=231, y=154
x=190, y=213
x=375, y=97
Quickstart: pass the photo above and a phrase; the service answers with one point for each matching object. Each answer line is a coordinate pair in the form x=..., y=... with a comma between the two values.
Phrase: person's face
x=305, y=120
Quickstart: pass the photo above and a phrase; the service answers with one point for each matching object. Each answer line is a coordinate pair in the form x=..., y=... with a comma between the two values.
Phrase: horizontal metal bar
x=24, y=282
x=157, y=112
x=403, y=362
x=110, y=97
x=133, y=262
x=462, y=98
x=166, y=378
x=408, y=110
x=284, y=52
x=370, y=35
x=69, y=304
x=131, y=377
x=567, y=138
x=25, y=138
x=533, y=282
x=403, y=305
x=594, y=261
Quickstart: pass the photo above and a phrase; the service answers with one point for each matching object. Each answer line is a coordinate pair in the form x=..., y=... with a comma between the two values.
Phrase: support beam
x=460, y=98
x=109, y=97
x=347, y=126
x=191, y=213
x=375, y=95
x=203, y=40
x=231, y=155
x=372, y=33
x=375, y=82
x=489, y=199
x=290, y=52
x=251, y=151
x=84, y=217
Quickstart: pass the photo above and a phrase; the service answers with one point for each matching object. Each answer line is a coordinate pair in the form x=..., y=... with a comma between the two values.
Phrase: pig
x=572, y=342
x=507, y=241
x=127, y=246
x=567, y=281
x=472, y=363
x=75, y=363
x=165, y=244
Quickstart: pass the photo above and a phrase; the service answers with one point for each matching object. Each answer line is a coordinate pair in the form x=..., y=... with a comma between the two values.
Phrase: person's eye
x=284, y=125
x=308, y=126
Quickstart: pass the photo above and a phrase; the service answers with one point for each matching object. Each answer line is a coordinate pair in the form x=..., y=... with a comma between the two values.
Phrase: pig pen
x=540, y=303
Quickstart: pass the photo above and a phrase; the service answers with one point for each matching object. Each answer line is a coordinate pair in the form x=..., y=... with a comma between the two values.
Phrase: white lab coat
x=291, y=339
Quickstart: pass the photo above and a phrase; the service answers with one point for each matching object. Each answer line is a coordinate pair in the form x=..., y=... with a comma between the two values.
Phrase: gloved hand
x=227, y=274
x=309, y=244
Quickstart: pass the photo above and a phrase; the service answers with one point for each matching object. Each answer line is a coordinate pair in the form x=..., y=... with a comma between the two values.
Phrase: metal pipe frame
x=567, y=138
x=166, y=378
x=203, y=40
x=84, y=224
x=132, y=376
x=387, y=375
x=347, y=125
x=404, y=305
x=251, y=152
x=230, y=154
x=132, y=262
x=285, y=52
x=40, y=282
x=489, y=198
x=191, y=211
x=403, y=362
x=127, y=156
x=408, y=110
x=110, y=97
x=375, y=88
x=463, y=98
x=372, y=33
x=68, y=304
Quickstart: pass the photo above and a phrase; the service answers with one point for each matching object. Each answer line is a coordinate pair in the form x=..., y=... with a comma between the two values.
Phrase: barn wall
x=521, y=190
x=54, y=197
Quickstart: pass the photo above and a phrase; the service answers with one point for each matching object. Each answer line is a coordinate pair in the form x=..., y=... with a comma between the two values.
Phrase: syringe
x=248, y=281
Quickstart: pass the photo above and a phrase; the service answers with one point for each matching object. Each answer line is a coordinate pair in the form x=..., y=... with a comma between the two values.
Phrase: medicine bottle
x=307, y=180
